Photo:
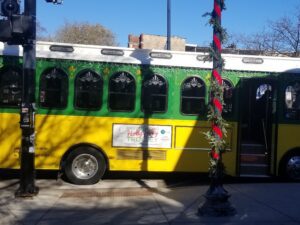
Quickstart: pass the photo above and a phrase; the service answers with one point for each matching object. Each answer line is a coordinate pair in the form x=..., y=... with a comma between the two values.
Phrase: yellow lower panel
x=10, y=140
x=177, y=160
x=193, y=137
x=56, y=134
x=288, y=138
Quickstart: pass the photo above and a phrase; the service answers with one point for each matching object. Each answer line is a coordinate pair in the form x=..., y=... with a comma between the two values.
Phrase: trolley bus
x=104, y=109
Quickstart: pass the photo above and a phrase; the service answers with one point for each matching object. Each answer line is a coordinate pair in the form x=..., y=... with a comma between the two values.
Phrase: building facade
x=148, y=41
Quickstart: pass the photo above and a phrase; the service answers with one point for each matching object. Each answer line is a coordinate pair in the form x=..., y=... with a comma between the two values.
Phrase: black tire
x=291, y=166
x=84, y=165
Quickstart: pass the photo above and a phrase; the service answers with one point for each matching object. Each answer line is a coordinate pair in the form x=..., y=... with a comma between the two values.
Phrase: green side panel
x=174, y=76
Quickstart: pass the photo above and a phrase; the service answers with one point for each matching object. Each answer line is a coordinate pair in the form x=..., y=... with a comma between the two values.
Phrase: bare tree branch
x=280, y=37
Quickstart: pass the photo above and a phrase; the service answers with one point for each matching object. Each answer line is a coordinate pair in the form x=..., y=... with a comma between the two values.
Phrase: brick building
x=148, y=41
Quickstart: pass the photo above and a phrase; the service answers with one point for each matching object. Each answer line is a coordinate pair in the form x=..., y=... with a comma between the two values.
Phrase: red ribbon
x=217, y=76
x=217, y=131
x=217, y=8
x=218, y=104
x=217, y=43
x=214, y=155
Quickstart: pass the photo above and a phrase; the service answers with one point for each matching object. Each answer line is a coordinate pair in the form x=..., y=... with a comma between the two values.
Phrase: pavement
x=147, y=201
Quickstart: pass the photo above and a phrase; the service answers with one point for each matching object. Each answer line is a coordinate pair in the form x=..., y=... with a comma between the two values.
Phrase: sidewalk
x=146, y=202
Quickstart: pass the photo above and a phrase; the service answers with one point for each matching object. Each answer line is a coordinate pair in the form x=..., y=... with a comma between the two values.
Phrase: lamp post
x=216, y=203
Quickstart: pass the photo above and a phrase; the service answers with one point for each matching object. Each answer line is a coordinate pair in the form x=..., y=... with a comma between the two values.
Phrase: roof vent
x=61, y=48
x=160, y=55
x=250, y=60
x=110, y=51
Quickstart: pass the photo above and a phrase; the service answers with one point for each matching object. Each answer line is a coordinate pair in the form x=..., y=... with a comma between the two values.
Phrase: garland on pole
x=216, y=203
x=218, y=131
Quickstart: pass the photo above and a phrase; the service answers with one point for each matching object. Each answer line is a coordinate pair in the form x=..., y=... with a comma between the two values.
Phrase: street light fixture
x=10, y=7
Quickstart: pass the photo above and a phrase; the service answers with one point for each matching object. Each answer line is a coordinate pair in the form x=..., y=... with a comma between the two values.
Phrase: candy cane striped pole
x=216, y=78
x=216, y=203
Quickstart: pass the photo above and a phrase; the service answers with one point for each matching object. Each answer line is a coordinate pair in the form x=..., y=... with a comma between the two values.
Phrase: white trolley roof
x=155, y=57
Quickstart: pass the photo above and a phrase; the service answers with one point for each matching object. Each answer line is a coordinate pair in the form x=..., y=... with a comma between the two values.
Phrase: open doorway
x=257, y=110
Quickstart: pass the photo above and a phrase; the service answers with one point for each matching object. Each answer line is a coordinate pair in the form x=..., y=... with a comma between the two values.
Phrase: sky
x=150, y=16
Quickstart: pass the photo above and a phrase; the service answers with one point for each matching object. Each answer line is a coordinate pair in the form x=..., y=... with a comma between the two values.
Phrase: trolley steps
x=253, y=148
x=253, y=160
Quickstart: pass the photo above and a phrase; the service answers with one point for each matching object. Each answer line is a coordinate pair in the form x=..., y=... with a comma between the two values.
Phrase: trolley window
x=228, y=97
x=54, y=89
x=292, y=101
x=88, y=90
x=154, y=94
x=122, y=92
x=10, y=87
x=193, y=96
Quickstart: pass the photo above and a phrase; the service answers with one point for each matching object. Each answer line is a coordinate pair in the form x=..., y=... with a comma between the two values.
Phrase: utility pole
x=169, y=25
x=27, y=114
x=20, y=29
x=27, y=171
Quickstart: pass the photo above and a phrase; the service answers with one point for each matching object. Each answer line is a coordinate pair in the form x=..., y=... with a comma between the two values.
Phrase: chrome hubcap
x=293, y=167
x=84, y=166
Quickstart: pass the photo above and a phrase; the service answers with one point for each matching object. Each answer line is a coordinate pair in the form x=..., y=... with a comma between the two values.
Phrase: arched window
x=154, y=94
x=54, y=88
x=88, y=90
x=292, y=101
x=10, y=87
x=228, y=97
x=193, y=96
x=121, y=92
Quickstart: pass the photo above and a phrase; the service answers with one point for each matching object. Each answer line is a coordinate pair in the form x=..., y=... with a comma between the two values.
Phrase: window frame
x=232, y=97
x=63, y=94
x=166, y=95
x=133, y=94
x=293, y=109
x=16, y=69
x=202, y=112
x=76, y=92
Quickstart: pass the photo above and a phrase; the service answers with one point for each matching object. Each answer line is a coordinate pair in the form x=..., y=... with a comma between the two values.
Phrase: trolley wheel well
x=285, y=158
x=63, y=160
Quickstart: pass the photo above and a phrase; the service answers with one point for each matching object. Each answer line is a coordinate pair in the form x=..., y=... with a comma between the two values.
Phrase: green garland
x=216, y=135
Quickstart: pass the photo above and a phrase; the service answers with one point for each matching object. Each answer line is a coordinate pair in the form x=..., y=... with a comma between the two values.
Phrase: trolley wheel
x=85, y=165
x=292, y=167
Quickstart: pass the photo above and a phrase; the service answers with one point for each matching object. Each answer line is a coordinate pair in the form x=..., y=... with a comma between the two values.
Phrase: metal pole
x=27, y=172
x=217, y=203
x=169, y=25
